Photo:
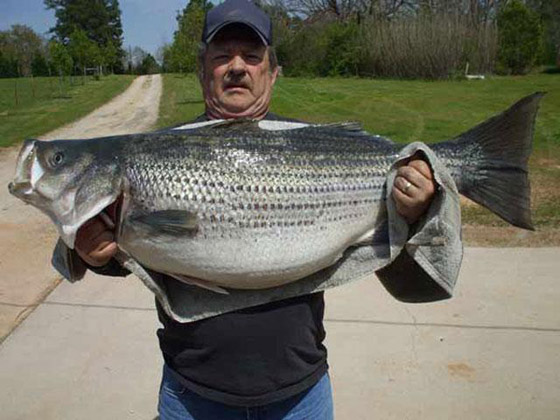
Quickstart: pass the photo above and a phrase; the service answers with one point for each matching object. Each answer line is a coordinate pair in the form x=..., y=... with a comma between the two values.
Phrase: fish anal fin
x=366, y=238
x=199, y=283
x=175, y=222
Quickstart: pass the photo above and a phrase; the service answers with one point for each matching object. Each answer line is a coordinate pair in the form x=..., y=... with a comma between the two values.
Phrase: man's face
x=237, y=80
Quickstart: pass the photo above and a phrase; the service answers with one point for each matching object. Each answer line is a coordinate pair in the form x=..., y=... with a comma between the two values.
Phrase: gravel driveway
x=27, y=236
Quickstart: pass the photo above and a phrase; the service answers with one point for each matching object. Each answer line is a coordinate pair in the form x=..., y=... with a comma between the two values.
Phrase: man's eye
x=220, y=57
x=253, y=58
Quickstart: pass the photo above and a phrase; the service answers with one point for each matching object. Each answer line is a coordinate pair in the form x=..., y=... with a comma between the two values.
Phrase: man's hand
x=95, y=242
x=413, y=189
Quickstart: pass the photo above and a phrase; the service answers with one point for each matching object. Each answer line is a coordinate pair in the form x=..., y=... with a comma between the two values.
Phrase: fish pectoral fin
x=199, y=282
x=175, y=222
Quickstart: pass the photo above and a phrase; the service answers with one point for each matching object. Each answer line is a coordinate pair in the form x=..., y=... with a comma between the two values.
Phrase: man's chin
x=240, y=108
x=237, y=107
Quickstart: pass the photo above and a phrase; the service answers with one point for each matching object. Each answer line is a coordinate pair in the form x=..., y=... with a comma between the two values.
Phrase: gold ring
x=407, y=186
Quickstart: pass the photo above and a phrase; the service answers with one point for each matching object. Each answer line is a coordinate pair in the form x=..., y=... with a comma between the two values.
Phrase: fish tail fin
x=490, y=162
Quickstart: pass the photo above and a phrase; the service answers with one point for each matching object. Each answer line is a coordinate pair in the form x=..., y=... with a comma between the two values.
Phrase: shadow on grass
x=190, y=102
x=552, y=70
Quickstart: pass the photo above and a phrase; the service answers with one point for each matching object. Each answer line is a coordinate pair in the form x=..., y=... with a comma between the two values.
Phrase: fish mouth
x=22, y=184
x=20, y=189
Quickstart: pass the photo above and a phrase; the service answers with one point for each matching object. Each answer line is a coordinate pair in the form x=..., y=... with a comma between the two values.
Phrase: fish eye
x=57, y=159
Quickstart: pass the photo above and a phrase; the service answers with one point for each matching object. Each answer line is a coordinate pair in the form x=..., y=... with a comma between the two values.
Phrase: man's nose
x=237, y=65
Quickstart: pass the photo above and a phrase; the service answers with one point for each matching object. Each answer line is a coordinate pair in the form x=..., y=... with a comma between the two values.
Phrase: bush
x=302, y=51
x=321, y=49
x=429, y=47
x=343, y=55
x=520, y=38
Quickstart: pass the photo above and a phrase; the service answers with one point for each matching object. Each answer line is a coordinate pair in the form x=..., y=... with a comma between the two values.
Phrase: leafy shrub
x=302, y=51
x=520, y=38
x=321, y=49
x=342, y=56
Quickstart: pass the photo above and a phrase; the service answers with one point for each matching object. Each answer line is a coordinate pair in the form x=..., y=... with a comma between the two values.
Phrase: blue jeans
x=176, y=402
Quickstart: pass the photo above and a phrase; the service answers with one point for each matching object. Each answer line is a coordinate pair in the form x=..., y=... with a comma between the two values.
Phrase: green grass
x=30, y=107
x=181, y=100
x=407, y=111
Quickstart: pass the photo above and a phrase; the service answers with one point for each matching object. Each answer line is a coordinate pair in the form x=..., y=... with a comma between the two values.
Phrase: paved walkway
x=89, y=351
x=28, y=236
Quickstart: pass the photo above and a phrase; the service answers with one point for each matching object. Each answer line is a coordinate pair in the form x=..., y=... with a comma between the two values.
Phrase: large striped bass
x=232, y=205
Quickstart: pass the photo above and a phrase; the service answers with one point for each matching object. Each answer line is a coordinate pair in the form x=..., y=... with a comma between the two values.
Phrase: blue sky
x=146, y=23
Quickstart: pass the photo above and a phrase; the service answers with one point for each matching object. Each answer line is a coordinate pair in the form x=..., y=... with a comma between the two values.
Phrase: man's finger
x=100, y=255
x=100, y=241
x=88, y=237
x=422, y=167
x=416, y=178
x=105, y=251
x=402, y=198
x=403, y=185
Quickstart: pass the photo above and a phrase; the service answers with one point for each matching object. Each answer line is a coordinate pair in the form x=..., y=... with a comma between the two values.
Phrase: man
x=266, y=361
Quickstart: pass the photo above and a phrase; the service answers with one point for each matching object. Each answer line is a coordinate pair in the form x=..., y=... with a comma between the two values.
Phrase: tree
x=60, y=58
x=166, y=52
x=186, y=38
x=135, y=57
x=8, y=66
x=61, y=62
x=116, y=50
x=149, y=65
x=520, y=38
x=344, y=10
x=549, y=14
x=40, y=66
x=81, y=49
x=99, y=19
x=109, y=54
x=20, y=45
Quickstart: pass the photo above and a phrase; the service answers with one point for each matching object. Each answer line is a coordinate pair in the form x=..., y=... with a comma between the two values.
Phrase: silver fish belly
x=262, y=219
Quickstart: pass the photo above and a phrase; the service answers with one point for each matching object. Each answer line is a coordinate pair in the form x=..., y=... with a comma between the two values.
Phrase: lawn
x=30, y=107
x=409, y=111
x=405, y=111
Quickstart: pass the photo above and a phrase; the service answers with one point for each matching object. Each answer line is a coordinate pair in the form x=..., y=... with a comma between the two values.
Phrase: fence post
x=16, y=92
x=33, y=86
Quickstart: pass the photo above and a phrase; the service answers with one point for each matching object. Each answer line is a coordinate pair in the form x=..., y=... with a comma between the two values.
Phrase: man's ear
x=274, y=75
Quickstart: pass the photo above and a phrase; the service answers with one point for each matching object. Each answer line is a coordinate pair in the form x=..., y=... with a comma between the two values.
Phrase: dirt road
x=26, y=236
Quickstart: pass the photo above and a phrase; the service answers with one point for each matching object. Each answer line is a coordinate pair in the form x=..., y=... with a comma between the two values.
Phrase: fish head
x=67, y=180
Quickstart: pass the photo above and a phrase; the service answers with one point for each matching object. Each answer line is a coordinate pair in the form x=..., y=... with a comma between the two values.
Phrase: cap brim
x=230, y=22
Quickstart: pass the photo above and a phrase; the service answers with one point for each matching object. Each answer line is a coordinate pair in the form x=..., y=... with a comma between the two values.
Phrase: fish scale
x=329, y=197
x=236, y=206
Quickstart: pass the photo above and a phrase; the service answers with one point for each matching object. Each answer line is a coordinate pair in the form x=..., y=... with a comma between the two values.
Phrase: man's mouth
x=235, y=86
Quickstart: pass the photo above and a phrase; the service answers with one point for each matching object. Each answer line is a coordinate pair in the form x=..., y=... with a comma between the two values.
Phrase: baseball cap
x=237, y=11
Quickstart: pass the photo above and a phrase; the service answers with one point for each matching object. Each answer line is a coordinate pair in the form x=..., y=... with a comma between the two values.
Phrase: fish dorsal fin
x=238, y=124
x=351, y=126
x=174, y=222
x=212, y=125
x=348, y=128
